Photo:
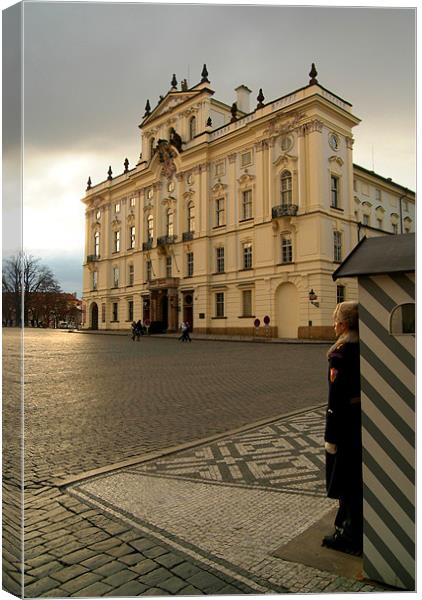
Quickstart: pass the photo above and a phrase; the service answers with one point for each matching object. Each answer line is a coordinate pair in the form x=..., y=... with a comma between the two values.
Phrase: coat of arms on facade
x=166, y=155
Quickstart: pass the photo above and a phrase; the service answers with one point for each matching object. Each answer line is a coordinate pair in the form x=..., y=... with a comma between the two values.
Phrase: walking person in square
x=343, y=437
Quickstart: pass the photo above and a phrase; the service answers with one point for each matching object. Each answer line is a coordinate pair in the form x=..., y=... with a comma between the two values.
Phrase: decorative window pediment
x=219, y=188
x=131, y=219
x=246, y=180
x=336, y=159
x=115, y=223
x=284, y=159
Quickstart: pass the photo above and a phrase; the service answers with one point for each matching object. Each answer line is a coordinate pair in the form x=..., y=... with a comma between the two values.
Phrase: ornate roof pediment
x=170, y=102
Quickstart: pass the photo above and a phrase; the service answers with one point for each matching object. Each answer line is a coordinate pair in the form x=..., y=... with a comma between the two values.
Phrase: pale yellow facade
x=238, y=217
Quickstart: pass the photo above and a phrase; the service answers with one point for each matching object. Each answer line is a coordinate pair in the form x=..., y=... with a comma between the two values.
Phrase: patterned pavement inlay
x=286, y=456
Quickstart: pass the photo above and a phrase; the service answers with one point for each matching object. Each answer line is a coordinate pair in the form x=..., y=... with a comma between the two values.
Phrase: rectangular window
x=133, y=202
x=94, y=279
x=115, y=311
x=337, y=246
x=97, y=244
x=116, y=241
x=168, y=266
x=366, y=219
x=219, y=168
x=131, y=274
x=286, y=249
x=377, y=195
x=117, y=207
x=103, y=313
x=189, y=257
x=395, y=228
x=247, y=256
x=149, y=270
x=132, y=236
x=246, y=159
x=341, y=293
x=247, y=303
x=150, y=227
x=380, y=223
x=220, y=259
x=115, y=276
x=247, y=204
x=219, y=212
x=334, y=192
x=219, y=304
x=130, y=310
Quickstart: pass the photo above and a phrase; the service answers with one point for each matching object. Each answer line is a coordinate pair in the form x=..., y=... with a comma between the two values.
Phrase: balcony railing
x=284, y=210
x=166, y=239
x=147, y=245
x=187, y=235
x=92, y=257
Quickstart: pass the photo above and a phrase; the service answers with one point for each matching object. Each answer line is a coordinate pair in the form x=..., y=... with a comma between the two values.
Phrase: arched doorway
x=188, y=308
x=287, y=310
x=94, y=316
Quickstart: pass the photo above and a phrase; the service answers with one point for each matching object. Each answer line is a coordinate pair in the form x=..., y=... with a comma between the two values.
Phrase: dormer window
x=192, y=128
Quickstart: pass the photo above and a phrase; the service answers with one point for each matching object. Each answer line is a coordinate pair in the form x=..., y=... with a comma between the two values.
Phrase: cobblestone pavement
x=91, y=401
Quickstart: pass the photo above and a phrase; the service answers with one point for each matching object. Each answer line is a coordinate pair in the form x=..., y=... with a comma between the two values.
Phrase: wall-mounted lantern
x=313, y=298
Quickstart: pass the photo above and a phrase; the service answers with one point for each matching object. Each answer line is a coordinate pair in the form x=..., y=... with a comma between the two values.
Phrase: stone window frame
x=244, y=312
x=286, y=249
x=219, y=304
x=189, y=264
x=131, y=274
x=219, y=259
x=115, y=280
x=247, y=255
x=337, y=245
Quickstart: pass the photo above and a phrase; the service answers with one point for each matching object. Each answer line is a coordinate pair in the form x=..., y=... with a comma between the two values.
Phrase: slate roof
x=377, y=255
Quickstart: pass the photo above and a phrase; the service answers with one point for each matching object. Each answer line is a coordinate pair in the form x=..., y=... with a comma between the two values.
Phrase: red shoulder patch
x=333, y=374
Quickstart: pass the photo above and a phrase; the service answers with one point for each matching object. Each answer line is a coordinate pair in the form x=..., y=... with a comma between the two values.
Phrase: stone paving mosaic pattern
x=196, y=502
x=285, y=455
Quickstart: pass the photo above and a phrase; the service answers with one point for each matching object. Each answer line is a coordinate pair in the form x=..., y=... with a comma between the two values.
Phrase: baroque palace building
x=233, y=214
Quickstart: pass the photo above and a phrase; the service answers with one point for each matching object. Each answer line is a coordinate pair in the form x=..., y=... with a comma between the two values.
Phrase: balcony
x=164, y=240
x=147, y=245
x=92, y=258
x=187, y=236
x=284, y=210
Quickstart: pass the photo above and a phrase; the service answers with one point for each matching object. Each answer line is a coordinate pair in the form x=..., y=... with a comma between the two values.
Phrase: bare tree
x=23, y=278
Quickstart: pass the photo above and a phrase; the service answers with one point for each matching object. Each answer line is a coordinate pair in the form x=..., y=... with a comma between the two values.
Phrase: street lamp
x=313, y=298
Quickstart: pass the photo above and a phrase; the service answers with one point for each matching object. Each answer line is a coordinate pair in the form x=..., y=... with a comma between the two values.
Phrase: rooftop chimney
x=242, y=102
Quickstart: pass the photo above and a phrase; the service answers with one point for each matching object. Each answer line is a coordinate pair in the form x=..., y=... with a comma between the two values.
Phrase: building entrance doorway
x=164, y=310
x=188, y=308
x=94, y=316
x=287, y=310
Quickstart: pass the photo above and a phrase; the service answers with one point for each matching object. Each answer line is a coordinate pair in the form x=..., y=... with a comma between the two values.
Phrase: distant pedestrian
x=139, y=327
x=133, y=327
x=184, y=329
x=343, y=437
x=187, y=329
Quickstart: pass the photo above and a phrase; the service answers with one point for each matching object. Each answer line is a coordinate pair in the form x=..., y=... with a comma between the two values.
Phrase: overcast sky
x=90, y=67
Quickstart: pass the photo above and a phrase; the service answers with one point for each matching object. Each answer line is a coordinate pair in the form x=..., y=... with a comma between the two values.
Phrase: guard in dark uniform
x=343, y=437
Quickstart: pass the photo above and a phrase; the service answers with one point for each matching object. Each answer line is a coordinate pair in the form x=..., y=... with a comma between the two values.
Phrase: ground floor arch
x=287, y=310
x=93, y=316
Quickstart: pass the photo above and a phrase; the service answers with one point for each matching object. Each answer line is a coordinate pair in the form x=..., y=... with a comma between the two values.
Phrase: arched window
x=192, y=128
x=150, y=227
x=286, y=188
x=191, y=217
x=402, y=319
x=170, y=222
